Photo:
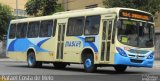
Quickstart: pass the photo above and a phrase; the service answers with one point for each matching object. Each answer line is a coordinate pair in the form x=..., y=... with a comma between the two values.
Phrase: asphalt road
x=75, y=72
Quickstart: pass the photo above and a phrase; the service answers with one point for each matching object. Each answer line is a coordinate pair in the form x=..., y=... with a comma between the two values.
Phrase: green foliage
x=5, y=17
x=151, y=6
x=42, y=7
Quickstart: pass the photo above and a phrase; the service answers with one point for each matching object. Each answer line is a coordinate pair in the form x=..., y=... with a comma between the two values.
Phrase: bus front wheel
x=31, y=60
x=88, y=63
x=120, y=68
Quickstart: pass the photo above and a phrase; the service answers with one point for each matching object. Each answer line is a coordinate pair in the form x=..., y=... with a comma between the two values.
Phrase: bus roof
x=75, y=13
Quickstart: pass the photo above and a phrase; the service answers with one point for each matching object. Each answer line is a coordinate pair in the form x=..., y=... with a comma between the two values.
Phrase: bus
x=97, y=37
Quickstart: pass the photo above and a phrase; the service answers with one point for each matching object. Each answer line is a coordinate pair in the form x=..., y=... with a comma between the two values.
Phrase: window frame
x=114, y=32
x=39, y=33
x=109, y=29
x=39, y=22
x=80, y=17
x=20, y=31
x=99, y=24
x=14, y=32
x=54, y=27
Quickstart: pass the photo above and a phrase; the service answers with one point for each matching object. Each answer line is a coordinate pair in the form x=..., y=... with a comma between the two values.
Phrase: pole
x=16, y=9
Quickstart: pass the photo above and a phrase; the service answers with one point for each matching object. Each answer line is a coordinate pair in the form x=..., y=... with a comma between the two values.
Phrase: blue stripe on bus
x=11, y=46
x=93, y=46
x=86, y=44
x=41, y=42
x=22, y=45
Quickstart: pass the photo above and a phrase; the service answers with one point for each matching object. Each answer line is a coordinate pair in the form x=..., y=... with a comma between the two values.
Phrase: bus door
x=108, y=36
x=60, y=45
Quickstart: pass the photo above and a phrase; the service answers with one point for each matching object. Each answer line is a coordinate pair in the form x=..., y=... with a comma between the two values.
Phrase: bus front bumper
x=121, y=60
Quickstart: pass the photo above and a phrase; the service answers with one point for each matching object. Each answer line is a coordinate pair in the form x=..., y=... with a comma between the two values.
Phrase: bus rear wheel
x=120, y=68
x=88, y=63
x=59, y=65
x=31, y=60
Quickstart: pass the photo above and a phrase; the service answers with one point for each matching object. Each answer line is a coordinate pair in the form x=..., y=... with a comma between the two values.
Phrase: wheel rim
x=31, y=60
x=88, y=63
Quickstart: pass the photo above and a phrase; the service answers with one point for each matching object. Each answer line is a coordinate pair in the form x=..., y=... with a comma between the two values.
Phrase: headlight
x=121, y=52
x=150, y=56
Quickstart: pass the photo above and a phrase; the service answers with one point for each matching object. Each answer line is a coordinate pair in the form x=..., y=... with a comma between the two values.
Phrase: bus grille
x=134, y=56
x=136, y=61
x=138, y=51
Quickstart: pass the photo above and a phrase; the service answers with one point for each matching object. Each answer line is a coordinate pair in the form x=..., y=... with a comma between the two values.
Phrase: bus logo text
x=73, y=44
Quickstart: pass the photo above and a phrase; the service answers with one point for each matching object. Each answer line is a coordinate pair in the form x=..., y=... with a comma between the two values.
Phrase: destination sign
x=136, y=15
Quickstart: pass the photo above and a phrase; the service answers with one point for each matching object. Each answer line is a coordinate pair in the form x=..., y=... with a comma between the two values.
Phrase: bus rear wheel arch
x=88, y=61
x=31, y=60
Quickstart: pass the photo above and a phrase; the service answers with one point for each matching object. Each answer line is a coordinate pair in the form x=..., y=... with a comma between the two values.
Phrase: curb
x=156, y=64
x=9, y=60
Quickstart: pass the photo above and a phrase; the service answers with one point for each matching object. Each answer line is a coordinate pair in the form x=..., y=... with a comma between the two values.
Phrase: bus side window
x=92, y=25
x=33, y=29
x=46, y=28
x=75, y=26
x=109, y=30
x=54, y=27
x=12, y=32
x=21, y=30
x=114, y=31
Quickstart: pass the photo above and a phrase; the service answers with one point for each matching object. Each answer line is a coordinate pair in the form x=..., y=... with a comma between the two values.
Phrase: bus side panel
x=51, y=46
x=17, y=55
x=11, y=53
x=72, y=49
x=93, y=45
x=17, y=48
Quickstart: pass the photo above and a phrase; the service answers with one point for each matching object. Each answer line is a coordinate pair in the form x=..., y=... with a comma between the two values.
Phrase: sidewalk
x=9, y=60
x=156, y=64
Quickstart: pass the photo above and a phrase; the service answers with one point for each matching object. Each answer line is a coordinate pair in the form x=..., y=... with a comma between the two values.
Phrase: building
x=18, y=6
x=80, y=4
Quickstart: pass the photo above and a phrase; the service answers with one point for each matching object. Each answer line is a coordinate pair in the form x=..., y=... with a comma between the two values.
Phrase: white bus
x=117, y=37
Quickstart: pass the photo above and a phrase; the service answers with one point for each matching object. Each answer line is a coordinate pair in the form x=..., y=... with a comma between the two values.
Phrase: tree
x=5, y=17
x=151, y=6
x=42, y=7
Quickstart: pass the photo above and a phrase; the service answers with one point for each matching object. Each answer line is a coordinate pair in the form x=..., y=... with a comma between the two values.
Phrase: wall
x=79, y=4
x=12, y=4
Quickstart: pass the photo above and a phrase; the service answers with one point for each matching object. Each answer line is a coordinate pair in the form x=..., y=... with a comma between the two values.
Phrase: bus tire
x=88, y=63
x=58, y=65
x=120, y=68
x=31, y=60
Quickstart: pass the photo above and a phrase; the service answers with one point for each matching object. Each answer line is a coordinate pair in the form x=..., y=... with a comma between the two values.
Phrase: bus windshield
x=133, y=33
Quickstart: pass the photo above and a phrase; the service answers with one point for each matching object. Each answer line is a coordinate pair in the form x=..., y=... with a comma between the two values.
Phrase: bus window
x=114, y=31
x=33, y=29
x=54, y=27
x=75, y=26
x=21, y=30
x=92, y=25
x=46, y=28
x=109, y=30
x=12, y=32
x=104, y=30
